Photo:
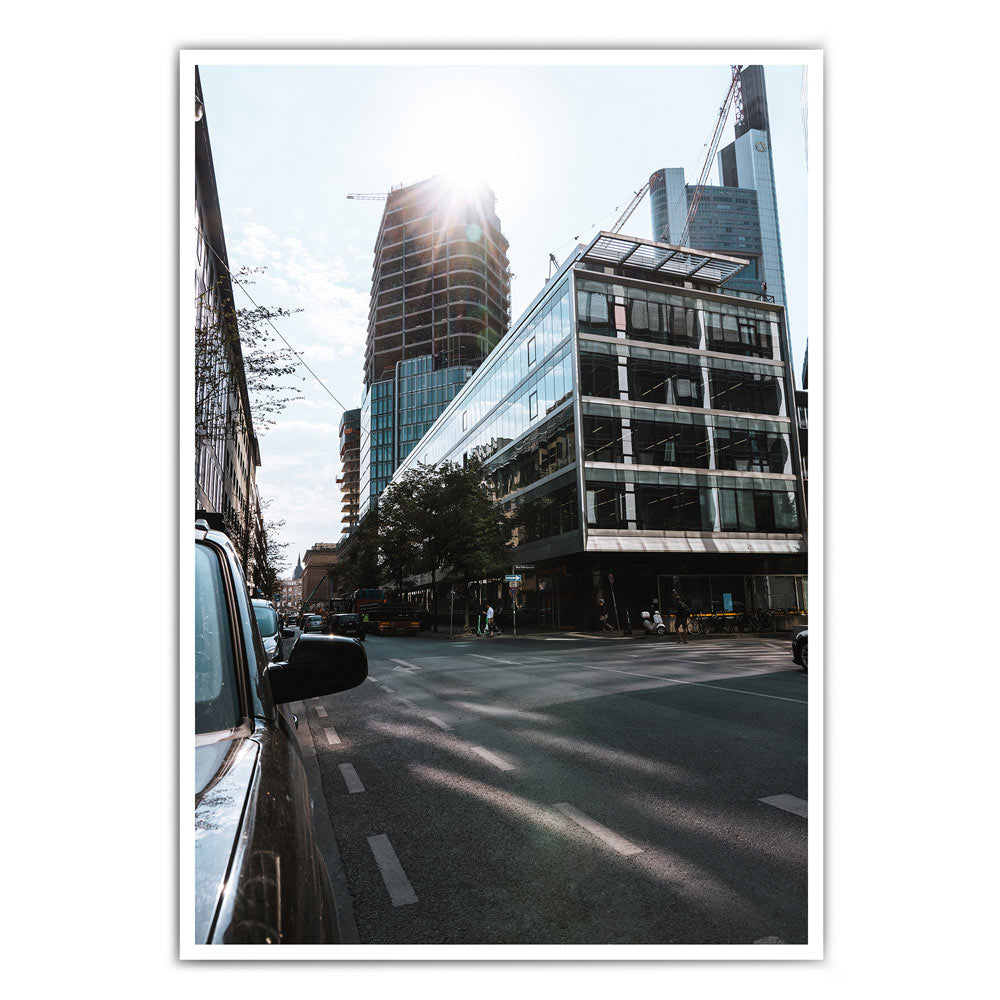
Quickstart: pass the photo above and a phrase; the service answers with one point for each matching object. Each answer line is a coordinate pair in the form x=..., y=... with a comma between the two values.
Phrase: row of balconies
x=389, y=320
x=469, y=295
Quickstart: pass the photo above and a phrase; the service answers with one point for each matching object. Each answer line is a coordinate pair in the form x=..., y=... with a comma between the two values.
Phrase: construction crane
x=735, y=93
x=632, y=206
x=373, y=196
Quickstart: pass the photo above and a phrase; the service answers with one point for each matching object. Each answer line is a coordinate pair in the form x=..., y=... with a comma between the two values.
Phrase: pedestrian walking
x=602, y=617
x=681, y=614
x=489, y=620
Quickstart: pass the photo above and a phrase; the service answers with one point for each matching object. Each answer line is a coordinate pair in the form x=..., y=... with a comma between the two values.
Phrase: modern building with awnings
x=638, y=422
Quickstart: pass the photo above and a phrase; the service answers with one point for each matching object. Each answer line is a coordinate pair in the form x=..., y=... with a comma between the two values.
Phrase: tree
x=441, y=522
x=359, y=566
x=479, y=534
x=275, y=555
x=403, y=525
x=240, y=389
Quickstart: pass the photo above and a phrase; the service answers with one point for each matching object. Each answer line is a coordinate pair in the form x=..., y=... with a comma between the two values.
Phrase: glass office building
x=740, y=214
x=638, y=423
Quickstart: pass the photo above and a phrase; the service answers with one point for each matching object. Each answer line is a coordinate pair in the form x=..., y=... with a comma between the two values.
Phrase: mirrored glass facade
x=629, y=411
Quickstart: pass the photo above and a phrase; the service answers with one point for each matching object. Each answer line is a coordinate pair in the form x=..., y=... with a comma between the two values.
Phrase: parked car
x=270, y=628
x=313, y=623
x=258, y=875
x=348, y=624
x=800, y=649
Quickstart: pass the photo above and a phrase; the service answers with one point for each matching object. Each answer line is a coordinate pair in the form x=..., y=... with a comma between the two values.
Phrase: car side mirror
x=318, y=665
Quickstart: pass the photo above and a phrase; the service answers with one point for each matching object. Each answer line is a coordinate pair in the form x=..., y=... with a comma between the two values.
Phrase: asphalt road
x=558, y=791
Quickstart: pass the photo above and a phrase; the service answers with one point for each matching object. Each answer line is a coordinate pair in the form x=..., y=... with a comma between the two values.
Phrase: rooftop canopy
x=683, y=262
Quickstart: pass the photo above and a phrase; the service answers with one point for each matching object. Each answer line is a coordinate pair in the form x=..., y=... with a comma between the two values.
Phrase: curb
x=326, y=840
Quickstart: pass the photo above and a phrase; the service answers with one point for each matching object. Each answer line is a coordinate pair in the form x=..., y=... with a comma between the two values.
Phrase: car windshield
x=267, y=620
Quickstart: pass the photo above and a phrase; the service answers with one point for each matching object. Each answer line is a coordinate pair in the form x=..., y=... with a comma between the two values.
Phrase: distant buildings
x=316, y=572
x=226, y=451
x=638, y=422
x=740, y=216
x=440, y=303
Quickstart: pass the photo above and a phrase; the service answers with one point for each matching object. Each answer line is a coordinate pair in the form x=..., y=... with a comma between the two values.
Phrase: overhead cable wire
x=298, y=354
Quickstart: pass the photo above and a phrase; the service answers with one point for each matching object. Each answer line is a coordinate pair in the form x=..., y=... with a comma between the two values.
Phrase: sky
x=564, y=148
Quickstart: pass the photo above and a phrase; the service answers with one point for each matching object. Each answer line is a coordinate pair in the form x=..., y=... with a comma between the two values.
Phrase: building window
x=533, y=406
x=531, y=351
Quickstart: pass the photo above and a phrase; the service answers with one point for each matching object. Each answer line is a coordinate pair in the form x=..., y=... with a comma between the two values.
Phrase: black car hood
x=224, y=773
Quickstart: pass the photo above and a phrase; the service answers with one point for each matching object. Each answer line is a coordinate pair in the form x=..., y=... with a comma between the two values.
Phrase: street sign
x=513, y=577
x=513, y=589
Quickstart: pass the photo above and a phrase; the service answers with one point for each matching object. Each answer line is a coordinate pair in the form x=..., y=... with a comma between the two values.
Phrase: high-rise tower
x=741, y=214
x=440, y=303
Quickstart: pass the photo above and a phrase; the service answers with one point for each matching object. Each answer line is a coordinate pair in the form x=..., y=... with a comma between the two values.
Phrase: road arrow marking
x=411, y=666
x=789, y=803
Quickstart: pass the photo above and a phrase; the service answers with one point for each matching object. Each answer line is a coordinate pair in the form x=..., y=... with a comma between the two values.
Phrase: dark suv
x=258, y=875
x=349, y=625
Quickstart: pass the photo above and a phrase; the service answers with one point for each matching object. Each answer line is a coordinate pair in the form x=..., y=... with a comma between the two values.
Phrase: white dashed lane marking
x=479, y=656
x=439, y=723
x=789, y=803
x=398, y=885
x=387, y=689
x=321, y=711
x=351, y=778
x=616, y=843
x=331, y=736
x=493, y=759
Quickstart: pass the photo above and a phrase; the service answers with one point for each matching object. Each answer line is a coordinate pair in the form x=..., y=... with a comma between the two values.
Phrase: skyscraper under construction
x=440, y=303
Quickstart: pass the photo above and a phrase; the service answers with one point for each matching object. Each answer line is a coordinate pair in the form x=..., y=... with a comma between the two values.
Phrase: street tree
x=359, y=563
x=402, y=526
x=478, y=538
x=243, y=382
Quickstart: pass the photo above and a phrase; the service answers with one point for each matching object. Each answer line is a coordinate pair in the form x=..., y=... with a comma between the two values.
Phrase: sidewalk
x=602, y=636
